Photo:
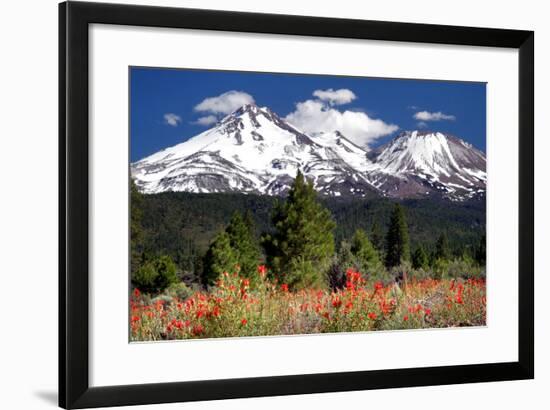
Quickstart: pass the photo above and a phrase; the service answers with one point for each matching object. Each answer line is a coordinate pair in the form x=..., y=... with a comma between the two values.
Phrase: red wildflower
x=197, y=329
x=405, y=318
x=427, y=311
x=371, y=315
x=262, y=270
x=135, y=319
x=336, y=302
x=137, y=292
x=378, y=286
x=284, y=287
x=244, y=321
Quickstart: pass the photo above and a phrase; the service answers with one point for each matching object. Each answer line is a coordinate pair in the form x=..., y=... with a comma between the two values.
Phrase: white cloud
x=224, y=103
x=314, y=116
x=172, y=119
x=422, y=124
x=208, y=120
x=335, y=97
x=432, y=116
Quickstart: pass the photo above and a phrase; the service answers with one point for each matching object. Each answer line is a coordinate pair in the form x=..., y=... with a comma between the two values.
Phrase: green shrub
x=464, y=268
x=440, y=268
x=179, y=290
x=155, y=275
x=400, y=271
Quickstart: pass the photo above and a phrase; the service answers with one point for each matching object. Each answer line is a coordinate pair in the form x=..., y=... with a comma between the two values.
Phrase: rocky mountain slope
x=253, y=150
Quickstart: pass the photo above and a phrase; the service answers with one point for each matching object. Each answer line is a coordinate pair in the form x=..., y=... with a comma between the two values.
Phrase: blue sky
x=168, y=106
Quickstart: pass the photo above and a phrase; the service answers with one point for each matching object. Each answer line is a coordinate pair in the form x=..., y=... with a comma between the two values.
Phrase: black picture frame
x=74, y=387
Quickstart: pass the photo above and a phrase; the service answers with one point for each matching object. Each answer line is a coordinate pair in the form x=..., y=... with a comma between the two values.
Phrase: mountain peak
x=247, y=108
x=436, y=159
x=253, y=150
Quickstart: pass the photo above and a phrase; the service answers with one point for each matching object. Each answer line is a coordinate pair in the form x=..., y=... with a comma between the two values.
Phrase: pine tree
x=302, y=247
x=366, y=257
x=442, y=248
x=219, y=258
x=236, y=246
x=242, y=239
x=397, y=239
x=420, y=259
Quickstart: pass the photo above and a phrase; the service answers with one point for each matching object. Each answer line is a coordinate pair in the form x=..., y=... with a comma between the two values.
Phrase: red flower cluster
x=239, y=306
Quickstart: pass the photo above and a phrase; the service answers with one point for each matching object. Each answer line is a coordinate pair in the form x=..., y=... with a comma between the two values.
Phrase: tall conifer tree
x=442, y=248
x=366, y=257
x=219, y=258
x=301, y=248
x=397, y=239
x=242, y=239
x=420, y=259
x=236, y=246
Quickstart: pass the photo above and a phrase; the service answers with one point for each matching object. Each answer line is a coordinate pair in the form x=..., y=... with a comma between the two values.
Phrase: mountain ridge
x=253, y=150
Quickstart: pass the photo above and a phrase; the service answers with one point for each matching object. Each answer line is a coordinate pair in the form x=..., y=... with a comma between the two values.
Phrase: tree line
x=300, y=248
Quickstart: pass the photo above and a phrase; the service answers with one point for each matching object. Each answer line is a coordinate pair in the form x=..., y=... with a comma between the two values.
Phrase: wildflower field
x=238, y=306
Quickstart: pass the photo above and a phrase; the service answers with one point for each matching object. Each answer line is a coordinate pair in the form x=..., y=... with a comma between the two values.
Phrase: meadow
x=237, y=306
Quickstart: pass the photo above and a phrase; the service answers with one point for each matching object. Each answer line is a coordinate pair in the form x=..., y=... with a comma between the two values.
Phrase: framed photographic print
x=256, y=204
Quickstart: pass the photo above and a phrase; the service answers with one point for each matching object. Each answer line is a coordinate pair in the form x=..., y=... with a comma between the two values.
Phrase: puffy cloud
x=208, y=120
x=335, y=97
x=313, y=116
x=432, y=116
x=422, y=124
x=172, y=119
x=224, y=103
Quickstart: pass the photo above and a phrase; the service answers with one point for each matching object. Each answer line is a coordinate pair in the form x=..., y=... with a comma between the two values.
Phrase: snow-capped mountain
x=253, y=150
x=423, y=162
